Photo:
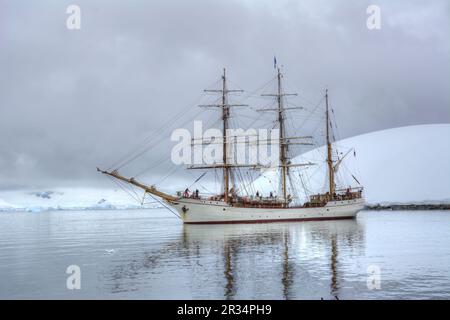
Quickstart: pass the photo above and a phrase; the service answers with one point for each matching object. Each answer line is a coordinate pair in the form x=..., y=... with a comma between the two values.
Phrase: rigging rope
x=165, y=206
x=158, y=132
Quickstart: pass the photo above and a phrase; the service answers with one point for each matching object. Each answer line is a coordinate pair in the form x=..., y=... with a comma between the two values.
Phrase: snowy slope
x=401, y=165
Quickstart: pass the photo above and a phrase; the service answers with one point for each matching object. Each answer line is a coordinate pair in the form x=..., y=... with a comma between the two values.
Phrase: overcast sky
x=71, y=100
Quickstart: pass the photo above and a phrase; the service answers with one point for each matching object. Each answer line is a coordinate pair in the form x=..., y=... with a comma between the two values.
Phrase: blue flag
x=274, y=62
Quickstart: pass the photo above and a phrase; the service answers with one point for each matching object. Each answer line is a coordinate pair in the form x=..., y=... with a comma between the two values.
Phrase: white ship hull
x=196, y=211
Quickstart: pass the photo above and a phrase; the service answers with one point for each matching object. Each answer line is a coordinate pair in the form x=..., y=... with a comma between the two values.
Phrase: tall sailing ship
x=234, y=204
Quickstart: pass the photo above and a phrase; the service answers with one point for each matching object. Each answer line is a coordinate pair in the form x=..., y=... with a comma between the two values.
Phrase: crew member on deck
x=186, y=193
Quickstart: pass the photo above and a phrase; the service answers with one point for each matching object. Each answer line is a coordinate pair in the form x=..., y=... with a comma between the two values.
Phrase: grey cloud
x=72, y=100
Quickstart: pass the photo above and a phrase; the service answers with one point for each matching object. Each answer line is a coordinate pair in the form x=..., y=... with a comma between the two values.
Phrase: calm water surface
x=150, y=254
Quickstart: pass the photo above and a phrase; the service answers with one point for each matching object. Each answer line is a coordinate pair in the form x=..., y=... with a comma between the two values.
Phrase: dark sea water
x=150, y=254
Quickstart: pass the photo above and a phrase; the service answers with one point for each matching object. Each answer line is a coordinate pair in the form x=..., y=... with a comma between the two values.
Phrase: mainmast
x=281, y=137
x=329, y=149
x=283, y=142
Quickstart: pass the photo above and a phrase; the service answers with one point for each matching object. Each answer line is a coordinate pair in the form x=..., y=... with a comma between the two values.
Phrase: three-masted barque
x=231, y=207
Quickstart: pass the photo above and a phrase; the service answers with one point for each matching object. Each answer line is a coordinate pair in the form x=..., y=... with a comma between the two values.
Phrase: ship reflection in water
x=143, y=254
x=264, y=261
x=278, y=260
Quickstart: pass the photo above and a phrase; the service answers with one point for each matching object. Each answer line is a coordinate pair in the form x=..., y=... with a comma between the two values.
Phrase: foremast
x=225, y=106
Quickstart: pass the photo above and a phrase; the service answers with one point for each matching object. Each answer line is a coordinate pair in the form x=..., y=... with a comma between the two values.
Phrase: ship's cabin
x=321, y=199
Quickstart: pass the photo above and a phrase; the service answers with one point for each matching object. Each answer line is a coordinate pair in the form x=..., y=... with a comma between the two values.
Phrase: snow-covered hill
x=401, y=165
x=408, y=164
